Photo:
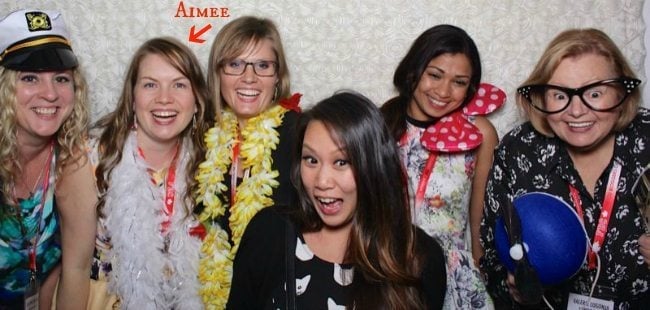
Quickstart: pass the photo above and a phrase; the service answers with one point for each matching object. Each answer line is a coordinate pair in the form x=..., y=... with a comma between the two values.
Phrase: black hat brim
x=47, y=57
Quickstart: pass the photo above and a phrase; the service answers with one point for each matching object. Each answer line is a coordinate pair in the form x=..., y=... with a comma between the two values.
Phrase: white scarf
x=133, y=209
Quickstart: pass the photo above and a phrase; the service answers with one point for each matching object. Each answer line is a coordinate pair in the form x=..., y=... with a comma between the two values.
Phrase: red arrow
x=195, y=37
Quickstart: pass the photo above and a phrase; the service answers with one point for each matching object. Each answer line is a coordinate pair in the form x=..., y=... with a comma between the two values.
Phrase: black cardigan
x=285, y=193
x=259, y=265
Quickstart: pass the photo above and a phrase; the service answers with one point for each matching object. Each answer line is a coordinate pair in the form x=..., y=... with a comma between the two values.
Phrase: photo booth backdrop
x=351, y=44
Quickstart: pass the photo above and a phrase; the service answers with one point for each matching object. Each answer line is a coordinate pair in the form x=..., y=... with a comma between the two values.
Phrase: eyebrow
x=182, y=77
x=443, y=71
x=306, y=146
x=311, y=149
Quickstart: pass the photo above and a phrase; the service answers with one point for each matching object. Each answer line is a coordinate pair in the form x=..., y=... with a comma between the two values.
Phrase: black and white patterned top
x=319, y=284
x=259, y=270
x=528, y=161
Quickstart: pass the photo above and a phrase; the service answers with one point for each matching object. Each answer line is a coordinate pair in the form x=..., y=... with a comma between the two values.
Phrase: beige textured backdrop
x=352, y=44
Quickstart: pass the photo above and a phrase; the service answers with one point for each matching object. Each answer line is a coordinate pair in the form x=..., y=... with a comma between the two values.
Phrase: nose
x=323, y=178
x=49, y=91
x=444, y=88
x=249, y=75
x=164, y=96
x=576, y=106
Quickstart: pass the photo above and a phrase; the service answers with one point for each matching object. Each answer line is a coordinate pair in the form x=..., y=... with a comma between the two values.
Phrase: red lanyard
x=426, y=173
x=605, y=212
x=170, y=192
x=45, y=186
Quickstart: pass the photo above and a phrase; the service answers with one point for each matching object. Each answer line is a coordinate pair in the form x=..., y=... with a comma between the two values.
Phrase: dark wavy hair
x=435, y=41
x=382, y=239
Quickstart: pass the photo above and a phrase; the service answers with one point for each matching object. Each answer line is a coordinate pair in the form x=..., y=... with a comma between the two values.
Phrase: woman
x=43, y=118
x=585, y=136
x=246, y=168
x=148, y=241
x=354, y=245
x=437, y=81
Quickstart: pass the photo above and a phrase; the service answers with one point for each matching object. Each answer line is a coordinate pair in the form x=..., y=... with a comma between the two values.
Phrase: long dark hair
x=382, y=240
x=435, y=41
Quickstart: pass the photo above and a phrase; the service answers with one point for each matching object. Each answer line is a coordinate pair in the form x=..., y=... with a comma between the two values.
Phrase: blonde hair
x=70, y=138
x=570, y=44
x=232, y=40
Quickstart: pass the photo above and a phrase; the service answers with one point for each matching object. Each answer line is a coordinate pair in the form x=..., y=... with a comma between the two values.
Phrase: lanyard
x=45, y=186
x=233, y=171
x=426, y=173
x=170, y=192
x=605, y=213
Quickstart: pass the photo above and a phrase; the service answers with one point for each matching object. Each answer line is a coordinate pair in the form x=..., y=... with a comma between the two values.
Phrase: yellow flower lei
x=259, y=139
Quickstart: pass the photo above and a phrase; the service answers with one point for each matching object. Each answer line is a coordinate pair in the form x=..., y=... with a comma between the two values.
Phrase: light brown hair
x=574, y=43
x=117, y=125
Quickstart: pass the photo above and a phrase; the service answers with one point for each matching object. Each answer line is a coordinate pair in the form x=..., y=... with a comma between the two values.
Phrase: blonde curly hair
x=70, y=138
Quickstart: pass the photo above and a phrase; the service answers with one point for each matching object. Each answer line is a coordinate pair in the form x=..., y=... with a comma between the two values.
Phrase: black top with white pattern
x=259, y=270
x=527, y=161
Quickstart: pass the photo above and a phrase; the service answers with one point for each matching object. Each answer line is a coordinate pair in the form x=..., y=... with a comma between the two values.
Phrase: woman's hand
x=520, y=298
x=512, y=288
x=644, y=248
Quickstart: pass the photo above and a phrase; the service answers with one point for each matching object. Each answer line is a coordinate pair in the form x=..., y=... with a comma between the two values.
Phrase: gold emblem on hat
x=38, y=21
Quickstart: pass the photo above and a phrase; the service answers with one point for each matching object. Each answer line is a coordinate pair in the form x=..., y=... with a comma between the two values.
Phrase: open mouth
x=250, y=93
x=329, y=206
x=164, y=114
x=437, y=103
x=45, y=111
x=580, y=124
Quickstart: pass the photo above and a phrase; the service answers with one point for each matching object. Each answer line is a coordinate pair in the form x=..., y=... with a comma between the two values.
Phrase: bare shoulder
x=486, y=128
x=76, y=184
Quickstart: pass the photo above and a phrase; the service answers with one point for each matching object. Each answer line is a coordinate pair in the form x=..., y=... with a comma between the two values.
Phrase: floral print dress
x=444, y=214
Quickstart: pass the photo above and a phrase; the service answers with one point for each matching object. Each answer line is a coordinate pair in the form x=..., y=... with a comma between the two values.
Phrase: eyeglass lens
x=260, y=67
x=600, y=96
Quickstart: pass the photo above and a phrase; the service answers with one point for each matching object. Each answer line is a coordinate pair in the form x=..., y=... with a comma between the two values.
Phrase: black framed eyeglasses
x=601, y=96
x=261, y=67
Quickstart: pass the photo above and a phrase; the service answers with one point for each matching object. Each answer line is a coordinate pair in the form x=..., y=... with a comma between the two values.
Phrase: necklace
x=259, y=138
x=32, y=189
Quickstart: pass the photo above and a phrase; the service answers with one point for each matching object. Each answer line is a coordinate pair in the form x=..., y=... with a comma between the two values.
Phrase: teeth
x=164, y=113
x=326, y=200
x=47, y=111
x=581, y=124
x=437, y=103
x=248, y=92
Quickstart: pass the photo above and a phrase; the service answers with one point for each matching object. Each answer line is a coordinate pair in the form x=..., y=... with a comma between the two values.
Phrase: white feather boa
x=134, y=215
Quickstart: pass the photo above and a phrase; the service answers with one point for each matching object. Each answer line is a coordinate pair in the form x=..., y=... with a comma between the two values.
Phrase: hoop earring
x=193, y=123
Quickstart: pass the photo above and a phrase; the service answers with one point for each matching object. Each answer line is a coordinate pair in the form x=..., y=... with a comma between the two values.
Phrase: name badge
x=31, y=294
x=582, y=302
